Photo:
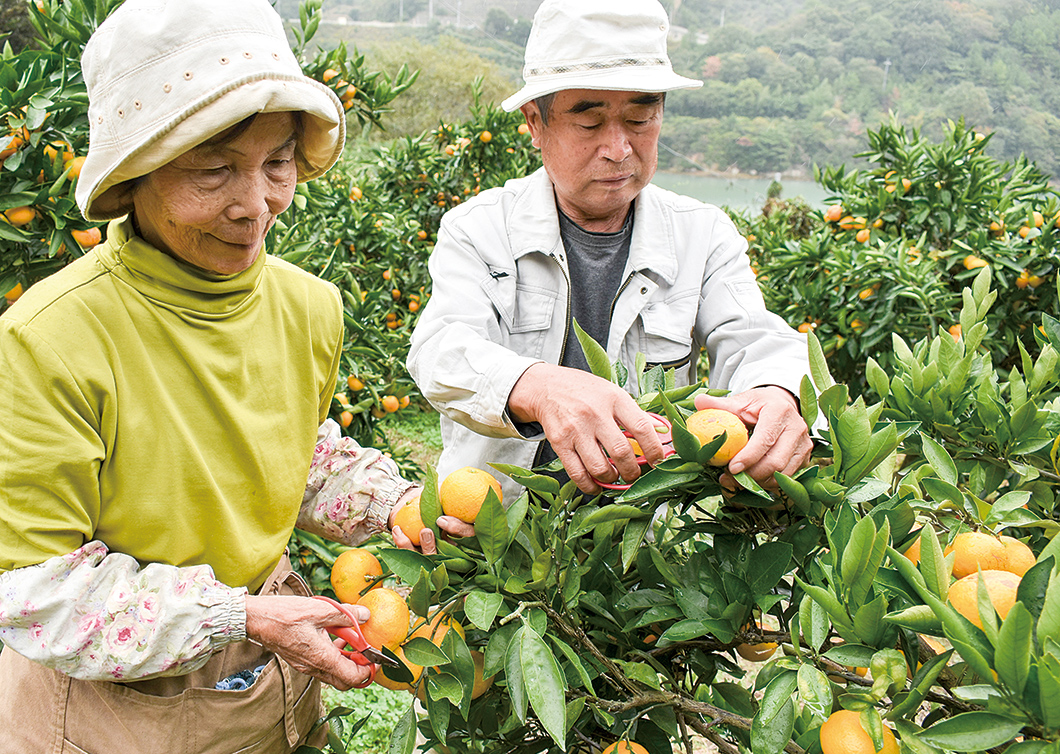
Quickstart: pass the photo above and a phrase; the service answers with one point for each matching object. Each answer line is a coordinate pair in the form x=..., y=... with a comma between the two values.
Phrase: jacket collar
x=534, y=227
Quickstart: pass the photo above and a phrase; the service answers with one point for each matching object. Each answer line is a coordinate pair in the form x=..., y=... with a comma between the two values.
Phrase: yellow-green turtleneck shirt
x=165, y=411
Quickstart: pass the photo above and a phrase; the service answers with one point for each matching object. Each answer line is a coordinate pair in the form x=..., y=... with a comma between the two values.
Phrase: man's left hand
x=780, y=441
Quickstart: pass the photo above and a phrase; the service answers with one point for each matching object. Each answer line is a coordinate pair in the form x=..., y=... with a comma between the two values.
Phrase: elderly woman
x=162, y=407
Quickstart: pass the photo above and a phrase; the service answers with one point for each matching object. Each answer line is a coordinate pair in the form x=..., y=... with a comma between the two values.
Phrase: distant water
x=738, y=193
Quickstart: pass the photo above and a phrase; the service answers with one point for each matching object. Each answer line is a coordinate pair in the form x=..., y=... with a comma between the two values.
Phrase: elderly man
x=588, y=238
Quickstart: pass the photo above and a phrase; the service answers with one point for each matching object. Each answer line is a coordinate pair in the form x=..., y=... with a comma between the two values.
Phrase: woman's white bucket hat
x=166, y=75
x=598, y=44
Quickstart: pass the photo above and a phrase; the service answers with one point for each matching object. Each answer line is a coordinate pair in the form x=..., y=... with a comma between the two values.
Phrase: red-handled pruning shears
x=664, y=430
x=362, y=652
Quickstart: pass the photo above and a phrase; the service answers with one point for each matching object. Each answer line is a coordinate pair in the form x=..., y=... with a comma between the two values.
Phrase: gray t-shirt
x=595, y=263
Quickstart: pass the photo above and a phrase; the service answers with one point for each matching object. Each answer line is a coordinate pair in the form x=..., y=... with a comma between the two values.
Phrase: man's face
x=600, y=148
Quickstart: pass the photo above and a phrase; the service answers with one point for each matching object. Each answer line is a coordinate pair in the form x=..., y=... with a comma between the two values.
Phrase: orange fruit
x=523, y=129
x=356, y=193
x=75, y=166
x=464, y=491
x=20, y=215
x=14, y=293
x=328, y=75
x=1038, y=219
x=975, y=551
x=833, y=213
x=414, y=306
x=390, y=403
x=757, y=652
x=422, y=235
x=711, y=422
x=342, y=399
x=906, y=184
x=863, y=235
x=353, y=572
x=625, y=747
x=386, y=274
x=395, y=294
x=409, y=519
x=866, y=292
x=87, y=238
x=1001, y=586
x=482, y=685
x=972, y=262
x=389, y=624
x=912, y=553
x=416, y=670
x=354, y=384
x=345, y=418
x=404, y=402
x=806, y=327
x=1024, y=231
x=485, y=137
x=996, y=228
x=955, y=332
x=842, y=733
x=1018, y=557
x=57, y=148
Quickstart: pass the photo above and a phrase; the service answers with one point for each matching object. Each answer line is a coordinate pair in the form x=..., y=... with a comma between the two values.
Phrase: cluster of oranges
x=388, y=404
x=1000, y=561
x=835, y=214
x=345, y=90
x=357, y=576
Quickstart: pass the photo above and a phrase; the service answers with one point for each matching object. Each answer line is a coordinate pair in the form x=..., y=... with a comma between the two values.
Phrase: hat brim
x=624, y=79
x=320, y=145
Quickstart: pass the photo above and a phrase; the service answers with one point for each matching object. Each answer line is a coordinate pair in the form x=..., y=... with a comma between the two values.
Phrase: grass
x=385, y=707
x=416, y=431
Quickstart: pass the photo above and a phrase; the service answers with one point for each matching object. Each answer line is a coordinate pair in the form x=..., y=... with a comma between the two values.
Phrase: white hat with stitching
x=598, y=44
x=166, y=75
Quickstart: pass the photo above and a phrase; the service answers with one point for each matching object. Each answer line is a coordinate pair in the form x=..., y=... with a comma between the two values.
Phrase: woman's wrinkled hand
x=295, y=628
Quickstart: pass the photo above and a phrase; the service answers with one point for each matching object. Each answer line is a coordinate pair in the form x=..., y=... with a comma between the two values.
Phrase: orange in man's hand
x=708, y=423
x=464, y=491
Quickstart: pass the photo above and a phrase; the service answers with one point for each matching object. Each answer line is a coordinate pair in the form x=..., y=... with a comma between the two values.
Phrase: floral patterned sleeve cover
x=98, y=615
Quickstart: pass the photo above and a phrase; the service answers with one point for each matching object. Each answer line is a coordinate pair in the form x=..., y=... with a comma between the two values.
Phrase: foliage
x=901, y=237
x=618, y=617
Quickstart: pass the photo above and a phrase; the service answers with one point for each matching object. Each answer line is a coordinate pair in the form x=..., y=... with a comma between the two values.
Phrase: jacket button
x=643, y=291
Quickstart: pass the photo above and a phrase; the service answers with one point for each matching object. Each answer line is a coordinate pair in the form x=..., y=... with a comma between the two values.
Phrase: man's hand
x=295, y=628
x=780, y=441
x=582, y=416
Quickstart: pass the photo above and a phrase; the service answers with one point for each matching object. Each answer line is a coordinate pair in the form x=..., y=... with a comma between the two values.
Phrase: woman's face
x=212, y=206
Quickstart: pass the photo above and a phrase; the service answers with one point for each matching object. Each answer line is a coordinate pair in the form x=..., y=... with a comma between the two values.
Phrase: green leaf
x=655, y=483
x=808, y=401
x=491, y=528
x=855, y=655
x=422, y=651
x=541, y=483
x=814, y=621
x=595, y=355
x=1049, y=621
x=972, y=731
x=933, y=563
x=771, y=737
x=771, y=561
x=604, y=515
x=544, y=684
x=632, y=538
x=1049, y=690
x=575, y=661
x=430, y=505
x=815, y=692
x=406, y=564
x=939, y=459
x=1012, y=653
x=513, y=671
x=403, y=739
x=481, y=608
x=822, y=379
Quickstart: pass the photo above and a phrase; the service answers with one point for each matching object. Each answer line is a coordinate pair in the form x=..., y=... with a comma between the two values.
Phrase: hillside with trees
x=794, y=83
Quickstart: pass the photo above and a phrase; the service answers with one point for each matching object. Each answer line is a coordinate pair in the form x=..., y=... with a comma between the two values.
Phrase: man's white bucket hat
x=598, y=44
x=164, y=76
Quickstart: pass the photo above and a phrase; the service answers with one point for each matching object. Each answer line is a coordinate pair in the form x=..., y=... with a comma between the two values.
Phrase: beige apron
x=42, y=710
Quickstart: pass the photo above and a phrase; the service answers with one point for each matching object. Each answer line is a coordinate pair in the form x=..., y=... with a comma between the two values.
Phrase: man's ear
x=532, y=114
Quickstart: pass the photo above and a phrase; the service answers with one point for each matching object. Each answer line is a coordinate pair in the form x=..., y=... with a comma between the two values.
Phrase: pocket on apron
x=179, y=715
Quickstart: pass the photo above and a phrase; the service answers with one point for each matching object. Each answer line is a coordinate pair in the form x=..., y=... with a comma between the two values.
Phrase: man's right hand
x=582, y=416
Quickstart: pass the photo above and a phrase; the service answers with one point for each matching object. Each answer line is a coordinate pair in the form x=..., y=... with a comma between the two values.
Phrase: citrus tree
x=900, y=238
x=622, y=617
